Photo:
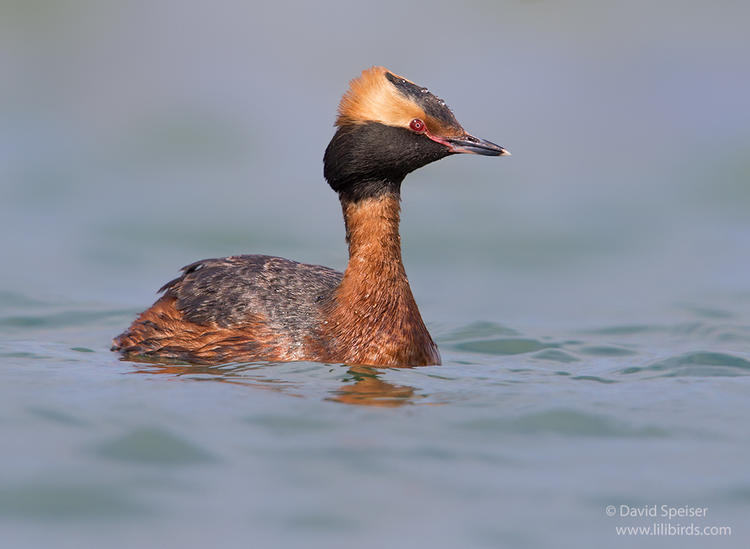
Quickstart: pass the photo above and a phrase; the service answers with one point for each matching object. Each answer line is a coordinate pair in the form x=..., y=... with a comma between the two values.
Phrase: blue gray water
x=590, y=294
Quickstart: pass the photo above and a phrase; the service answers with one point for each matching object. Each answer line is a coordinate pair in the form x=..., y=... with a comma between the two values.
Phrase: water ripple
x=60, y=319
x=65, y=501
x=717, y=331
x=564, y=422
x=503, y=346
x=556, y=355
x=478, y=330
x=697, y=364
x=605, y=350
x=153, y=446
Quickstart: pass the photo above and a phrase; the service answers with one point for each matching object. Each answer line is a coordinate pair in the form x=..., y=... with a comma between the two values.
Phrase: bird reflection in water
x=363, y=386
x=368, y=389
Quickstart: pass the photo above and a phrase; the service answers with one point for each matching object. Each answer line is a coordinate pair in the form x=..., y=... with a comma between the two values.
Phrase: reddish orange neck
x=372, y=232
x=374, y=317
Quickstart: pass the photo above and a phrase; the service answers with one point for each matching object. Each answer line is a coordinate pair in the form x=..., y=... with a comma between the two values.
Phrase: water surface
x=590, y=295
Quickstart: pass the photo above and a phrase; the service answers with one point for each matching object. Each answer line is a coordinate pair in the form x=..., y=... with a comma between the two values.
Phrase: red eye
x=417, y=126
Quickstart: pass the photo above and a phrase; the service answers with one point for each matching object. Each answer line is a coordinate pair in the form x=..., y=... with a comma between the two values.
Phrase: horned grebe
x=256, y=307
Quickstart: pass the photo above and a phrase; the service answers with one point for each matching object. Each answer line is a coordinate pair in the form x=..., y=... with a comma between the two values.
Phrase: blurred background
x=140, y=136
x=137, y=137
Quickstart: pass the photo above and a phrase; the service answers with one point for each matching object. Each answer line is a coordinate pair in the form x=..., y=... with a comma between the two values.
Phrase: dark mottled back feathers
x=228, y=291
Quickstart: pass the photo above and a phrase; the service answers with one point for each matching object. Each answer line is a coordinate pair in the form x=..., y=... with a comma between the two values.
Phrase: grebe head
x=388, y=127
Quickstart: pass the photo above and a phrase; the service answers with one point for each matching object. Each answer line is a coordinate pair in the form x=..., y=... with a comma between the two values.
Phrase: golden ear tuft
x=372, y=98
